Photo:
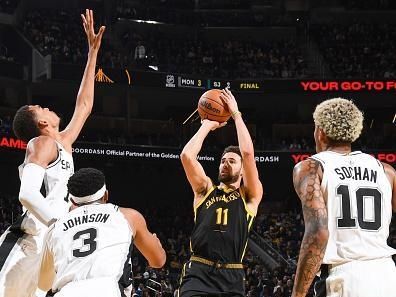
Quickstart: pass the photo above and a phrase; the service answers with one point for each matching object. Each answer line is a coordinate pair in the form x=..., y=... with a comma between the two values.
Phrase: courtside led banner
x=152, y=153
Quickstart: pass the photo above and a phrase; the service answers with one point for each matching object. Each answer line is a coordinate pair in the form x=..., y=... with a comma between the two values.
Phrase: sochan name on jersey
x=357, y=173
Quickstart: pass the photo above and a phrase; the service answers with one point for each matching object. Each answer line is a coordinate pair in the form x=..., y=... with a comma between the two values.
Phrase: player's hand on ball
x=212, y=124
x=229, y=100
x=94, y=40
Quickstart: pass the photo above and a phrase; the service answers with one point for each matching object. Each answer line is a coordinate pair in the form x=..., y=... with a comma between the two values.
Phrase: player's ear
x=322, y=136
x=42, y=124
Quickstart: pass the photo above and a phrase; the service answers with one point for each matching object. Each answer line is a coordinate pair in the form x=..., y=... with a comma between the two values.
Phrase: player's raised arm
x=306, y=180
x=146, y=242
x=391, y=175
x=251, y=181
x=195, y=173
x=40, y=152
x=85, y=95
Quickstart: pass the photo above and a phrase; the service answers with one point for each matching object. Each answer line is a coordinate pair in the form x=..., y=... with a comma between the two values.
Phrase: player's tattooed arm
x=306, y=180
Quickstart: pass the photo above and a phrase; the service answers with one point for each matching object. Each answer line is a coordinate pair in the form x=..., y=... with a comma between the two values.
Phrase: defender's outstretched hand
x=94, y=40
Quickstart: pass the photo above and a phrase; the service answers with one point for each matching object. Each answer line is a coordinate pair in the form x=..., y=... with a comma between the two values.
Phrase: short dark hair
x=232, y=149
x=86, y=181
x=25, y=124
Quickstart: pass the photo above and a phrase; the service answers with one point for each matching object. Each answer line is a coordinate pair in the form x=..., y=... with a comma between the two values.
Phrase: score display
x=188, y=82
x=172, y=80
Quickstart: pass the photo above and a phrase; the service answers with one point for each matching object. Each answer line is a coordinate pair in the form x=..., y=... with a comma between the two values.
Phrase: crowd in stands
x=284, y=231
x=358, y=50
x=54, y=32
x=201, y=18
x=223, y=59
x=191, y=4
x=10, y=209
x=57, y=33
x=5, y=54
x=8, y=6
x=178, y=4
x=6, y=125
x=369, y=4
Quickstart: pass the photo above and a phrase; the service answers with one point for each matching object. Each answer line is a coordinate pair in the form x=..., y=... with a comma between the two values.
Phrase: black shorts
x=202, y=280
x=320, y=283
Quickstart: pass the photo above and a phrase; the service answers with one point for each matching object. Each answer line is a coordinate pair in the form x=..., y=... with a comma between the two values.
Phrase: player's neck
x=341, y=149
x=233, y=186
x=53, y=133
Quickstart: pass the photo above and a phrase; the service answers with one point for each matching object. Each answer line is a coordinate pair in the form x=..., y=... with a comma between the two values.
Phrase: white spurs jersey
x=90, y=242
x=359, y=206
x=55, y=181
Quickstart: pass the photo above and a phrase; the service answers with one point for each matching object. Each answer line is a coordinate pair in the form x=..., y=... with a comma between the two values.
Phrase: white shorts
x=93, y=287
x=371, y=278
x=19, y=263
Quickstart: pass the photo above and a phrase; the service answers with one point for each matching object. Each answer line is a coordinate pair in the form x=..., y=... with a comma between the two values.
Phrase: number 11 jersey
x=222, y=225
x=358, y=195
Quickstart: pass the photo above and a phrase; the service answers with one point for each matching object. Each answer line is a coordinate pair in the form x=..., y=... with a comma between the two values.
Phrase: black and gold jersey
x=222, y=225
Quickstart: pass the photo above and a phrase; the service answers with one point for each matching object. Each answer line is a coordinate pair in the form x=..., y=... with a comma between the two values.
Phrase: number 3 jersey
x=359, y=206
x=222, y=225
x=90, y=242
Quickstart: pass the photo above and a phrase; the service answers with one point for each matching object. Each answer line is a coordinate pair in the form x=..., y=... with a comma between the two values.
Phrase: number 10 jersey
x=358, y=195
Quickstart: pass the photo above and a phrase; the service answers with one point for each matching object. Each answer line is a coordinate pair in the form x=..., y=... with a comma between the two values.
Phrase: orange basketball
x=211, y=107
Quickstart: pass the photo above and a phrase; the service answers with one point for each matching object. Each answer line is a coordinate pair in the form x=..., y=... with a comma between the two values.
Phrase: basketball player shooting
x=48, y=160
x=224, y=213
x=347, y=199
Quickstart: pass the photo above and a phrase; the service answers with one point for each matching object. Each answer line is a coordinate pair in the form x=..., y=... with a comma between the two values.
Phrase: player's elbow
x=321, y=236
x=247, y=154
x=22, y=199
x=84, y=107
x=159, y=260
x=23, y=196
x=318, y=231
x=185, y=156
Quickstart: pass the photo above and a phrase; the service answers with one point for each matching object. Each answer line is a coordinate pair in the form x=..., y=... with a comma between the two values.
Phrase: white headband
x=90, y=198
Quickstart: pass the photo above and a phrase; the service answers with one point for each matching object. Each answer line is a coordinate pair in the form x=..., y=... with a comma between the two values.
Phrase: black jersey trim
x=57, y=160
x=14, y=234
x=355, y=153
x=322, y=162
x=126, y=278
x=320, y=285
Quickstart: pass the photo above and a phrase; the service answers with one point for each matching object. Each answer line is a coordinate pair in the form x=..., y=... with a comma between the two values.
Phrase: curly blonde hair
x=340, y=119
